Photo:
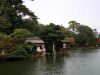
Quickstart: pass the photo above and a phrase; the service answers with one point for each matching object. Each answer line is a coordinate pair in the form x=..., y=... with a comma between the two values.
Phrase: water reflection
x=49, y=65
x=79, y=62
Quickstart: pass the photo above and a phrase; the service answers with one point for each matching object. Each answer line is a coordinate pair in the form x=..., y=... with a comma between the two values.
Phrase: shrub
x=19, y=51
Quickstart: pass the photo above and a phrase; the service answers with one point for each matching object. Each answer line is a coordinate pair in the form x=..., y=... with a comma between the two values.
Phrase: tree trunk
x=54, y=52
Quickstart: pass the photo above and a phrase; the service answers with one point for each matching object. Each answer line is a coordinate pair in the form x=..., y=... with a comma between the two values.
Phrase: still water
x=79, y=62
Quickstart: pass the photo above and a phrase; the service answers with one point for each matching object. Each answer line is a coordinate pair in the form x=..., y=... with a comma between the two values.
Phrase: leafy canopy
x=20, y=35
x=12, y=13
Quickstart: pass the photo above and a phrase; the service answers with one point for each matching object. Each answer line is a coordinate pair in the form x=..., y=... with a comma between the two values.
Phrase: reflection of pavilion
x=38, y=43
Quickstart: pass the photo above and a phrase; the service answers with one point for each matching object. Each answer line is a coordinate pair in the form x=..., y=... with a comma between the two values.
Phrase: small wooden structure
x=39, y=44
x=69, y=40
x=65, y=44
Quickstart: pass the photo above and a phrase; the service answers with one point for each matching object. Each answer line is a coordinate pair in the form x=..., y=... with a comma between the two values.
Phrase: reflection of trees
x=48, y=65
x=16, y=68
x=38, y=66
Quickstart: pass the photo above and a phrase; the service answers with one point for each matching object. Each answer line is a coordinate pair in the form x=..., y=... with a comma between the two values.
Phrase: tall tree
x=30, y=25
x=52, y=34
x=85, y=36
x=73, y=25
x=13, y=12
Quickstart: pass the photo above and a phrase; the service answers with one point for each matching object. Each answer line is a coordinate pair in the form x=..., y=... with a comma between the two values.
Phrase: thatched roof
x=35, y=40
x=69, y=39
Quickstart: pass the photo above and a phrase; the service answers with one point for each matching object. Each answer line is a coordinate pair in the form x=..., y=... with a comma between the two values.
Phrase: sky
x=86, y=12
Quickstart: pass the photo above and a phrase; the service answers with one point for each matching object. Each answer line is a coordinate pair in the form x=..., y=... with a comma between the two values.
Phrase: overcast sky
x=62, y=11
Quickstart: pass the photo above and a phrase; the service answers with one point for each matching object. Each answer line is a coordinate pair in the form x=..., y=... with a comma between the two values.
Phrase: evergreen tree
x=13, y=11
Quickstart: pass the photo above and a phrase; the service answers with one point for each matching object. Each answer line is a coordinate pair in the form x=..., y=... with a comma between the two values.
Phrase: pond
x=79, y=62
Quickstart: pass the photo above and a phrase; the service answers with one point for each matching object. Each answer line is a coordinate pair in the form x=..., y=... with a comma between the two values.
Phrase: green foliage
x=7, y=46
x=5, y=43
x=67, y=32
x=33, y=27
x=2, y=35
x=85, y=36
x=4, y=24
x=19, y=51
x=28, y=46
x=51, y=34
x=20, y=35
x=30, y=25
x=12, y=13
x=73, y=25
x=99, y=35
x=7, y=38
x=39, y=29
